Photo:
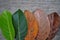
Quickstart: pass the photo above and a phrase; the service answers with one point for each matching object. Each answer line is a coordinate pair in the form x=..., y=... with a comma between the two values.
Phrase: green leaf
x=20, y=24
x=6, y=25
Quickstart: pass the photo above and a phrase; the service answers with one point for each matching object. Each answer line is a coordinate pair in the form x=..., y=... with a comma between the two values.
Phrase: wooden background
x=48, y=6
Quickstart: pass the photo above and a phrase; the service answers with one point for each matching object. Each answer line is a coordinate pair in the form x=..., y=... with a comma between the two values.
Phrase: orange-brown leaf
x=32, y=26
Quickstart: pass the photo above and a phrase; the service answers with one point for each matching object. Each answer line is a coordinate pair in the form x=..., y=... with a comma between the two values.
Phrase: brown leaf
x=54, y=24
x=44, y=24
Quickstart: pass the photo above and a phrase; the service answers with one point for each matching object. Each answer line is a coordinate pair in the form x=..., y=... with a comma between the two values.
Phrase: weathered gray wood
x=48, y=6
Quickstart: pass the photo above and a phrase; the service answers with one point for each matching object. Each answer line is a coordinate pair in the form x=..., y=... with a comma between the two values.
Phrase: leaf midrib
x=18, y=28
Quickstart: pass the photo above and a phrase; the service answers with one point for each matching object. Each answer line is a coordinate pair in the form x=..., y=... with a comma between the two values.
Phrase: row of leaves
x=13, y=26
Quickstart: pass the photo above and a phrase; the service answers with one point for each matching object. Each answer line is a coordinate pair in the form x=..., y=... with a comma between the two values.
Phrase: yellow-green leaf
x=6, y=25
